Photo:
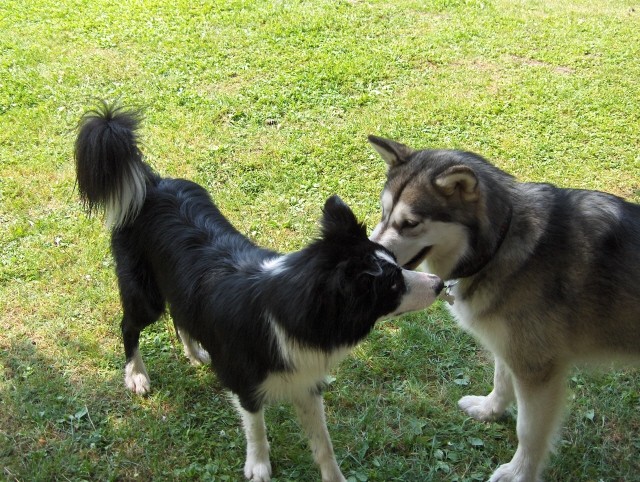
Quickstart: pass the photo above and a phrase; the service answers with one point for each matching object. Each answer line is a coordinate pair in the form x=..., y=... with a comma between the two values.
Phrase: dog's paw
x=480, y=408
x=334, y=478
x=512, y=473
x=331, y=471
x=138, y=383
x=257, y=470
x=135, y=376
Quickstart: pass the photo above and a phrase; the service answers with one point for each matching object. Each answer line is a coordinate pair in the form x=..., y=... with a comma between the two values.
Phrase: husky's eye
x=409, y=223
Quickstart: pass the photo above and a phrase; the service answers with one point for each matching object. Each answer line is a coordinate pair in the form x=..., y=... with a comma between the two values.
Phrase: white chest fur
x=309, y=367
x=489, y=330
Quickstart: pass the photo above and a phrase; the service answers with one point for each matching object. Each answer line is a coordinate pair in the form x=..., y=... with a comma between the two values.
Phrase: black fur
x=178, y=249
x=106, y=150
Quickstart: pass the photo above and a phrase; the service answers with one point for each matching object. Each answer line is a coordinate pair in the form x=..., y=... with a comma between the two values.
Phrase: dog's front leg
x=310, y=411
x=540, y=406
x=257, y=467
x=496, y=403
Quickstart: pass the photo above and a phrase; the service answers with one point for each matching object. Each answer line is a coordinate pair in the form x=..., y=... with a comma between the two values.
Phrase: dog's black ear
x=460, y=179
x=392, y=152
x=357, y=273
x=339, y=220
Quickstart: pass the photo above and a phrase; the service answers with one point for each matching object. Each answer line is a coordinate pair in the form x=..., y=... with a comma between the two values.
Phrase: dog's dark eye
x=397, y=282
x=408, y=224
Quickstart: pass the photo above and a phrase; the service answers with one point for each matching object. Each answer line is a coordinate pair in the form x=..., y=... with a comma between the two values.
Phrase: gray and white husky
x=546, y=278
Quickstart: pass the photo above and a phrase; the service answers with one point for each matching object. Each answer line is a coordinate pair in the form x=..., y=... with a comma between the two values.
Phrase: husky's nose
x=439, y=287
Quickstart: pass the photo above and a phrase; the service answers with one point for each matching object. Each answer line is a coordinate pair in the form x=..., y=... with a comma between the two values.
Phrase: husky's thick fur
x=547, y=277
x=271, y=325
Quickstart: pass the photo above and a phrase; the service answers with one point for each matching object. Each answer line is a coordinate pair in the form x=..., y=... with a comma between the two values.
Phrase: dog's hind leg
x=310, y=411
x=142, y=305
x=540, y=409
x=257, y=467
x=192, y=349
x=496, y=403
x=136, y=377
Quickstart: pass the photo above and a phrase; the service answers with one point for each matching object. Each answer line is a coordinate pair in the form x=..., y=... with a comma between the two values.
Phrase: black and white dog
x=270, y=324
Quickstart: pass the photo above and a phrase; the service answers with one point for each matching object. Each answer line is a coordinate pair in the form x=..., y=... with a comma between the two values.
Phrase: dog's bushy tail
x=109, y=167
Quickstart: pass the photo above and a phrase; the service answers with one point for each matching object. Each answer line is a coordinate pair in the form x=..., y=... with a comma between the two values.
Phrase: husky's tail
x=109, y=167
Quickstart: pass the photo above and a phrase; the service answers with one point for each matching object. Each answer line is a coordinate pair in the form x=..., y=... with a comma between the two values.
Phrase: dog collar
x=473, y=268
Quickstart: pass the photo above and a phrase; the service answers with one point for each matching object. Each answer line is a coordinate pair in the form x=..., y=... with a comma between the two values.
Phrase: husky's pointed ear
x=392, y=152
x=338, y=220
x=460, y=179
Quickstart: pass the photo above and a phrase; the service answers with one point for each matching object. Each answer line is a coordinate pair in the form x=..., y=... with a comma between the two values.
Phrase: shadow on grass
x=54, y=426
x=391, y=413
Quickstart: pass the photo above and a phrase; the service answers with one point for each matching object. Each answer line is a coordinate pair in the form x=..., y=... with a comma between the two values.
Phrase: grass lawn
x=268, y=105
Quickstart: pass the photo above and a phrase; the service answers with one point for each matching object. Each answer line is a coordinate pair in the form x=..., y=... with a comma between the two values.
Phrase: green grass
x=268, y=105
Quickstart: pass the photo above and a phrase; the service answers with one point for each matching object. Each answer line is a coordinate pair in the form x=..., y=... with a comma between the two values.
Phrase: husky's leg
x=192, y=349
x=310, y=411
x=257, y=467
x=493, y=405
x=540, y=407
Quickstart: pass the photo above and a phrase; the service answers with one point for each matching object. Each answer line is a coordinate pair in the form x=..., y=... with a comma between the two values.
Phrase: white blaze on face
x=392, y=231
x=422, y=291
x=386, y=200
x=422, y=288
x=447, y=242
x=386, y=257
